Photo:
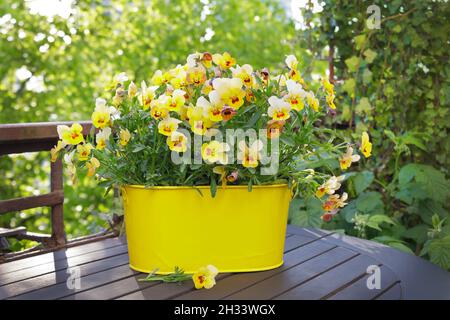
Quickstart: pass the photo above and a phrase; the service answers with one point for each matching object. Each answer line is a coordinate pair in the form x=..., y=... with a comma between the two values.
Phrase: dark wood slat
x=295, y=241
x=393, y=293
x=26, y=146
x=420, y=279
x=49, y=199
x=301, y=273
x=242, y=280
x=165, y=290
x=121, y=285
x=331, y=280
x=40, y=283
x=12, y=232
x=35, y=131
x=60, y=265
x=99, y=279
x=59, y=255
x=359, y=290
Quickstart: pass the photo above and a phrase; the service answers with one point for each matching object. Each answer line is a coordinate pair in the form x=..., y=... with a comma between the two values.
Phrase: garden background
x=58, y=56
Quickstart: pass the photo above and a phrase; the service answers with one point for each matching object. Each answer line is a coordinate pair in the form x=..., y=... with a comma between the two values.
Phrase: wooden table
x=317, y=265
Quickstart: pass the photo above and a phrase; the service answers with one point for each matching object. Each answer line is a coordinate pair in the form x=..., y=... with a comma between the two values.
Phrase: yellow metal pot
x=236, y=231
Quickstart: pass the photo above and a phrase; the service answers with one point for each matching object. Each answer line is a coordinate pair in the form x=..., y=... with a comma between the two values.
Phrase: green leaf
x=349, y=211
x=287, y=140
x=367, y=76
x=213, y=186
x=370, y=55
x=417, y=233
x=380, y=218
x=361, y=181
x=138, y=148
x=306, y=213
x=364, y=106
x=349, y=86
x=370, y=203
x=359, y=40
x=438, y=251
x=352, y=63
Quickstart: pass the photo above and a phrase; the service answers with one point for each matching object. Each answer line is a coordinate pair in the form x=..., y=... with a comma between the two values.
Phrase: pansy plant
x=193, y=109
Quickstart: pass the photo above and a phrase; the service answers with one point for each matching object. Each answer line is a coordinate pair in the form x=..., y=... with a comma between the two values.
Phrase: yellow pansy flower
x=280, y=80
x=176, y=100
x=250, y=156
x=84, y=150
x=178, y=77
x=335, y=202
x=274, y=128
x=205, y=277
x=330, y=186
x=118, y=79
x=295, y=95
x=147, y=95
x=102, y=137
x=101, y=116
x=313, y=102
x=158, y=108
x=68, y=158
x=213, y=109
x=196, y=75
x=177, y=142
x=168, y=125
x=328, y=86
x=70, y=135
x=207, y=87
x=132, y=90
x=279, y=109
x=347, y=158
x=225, y=60
x=160, y=78
x=124, y=137
x=230, y=91
x=54, y=151
x=291, y=61
x=245, y=73
x=206, y=60
x=215, y=151
x=200, y=127
x=366, y=145
x=330, y=101
x=92, y=166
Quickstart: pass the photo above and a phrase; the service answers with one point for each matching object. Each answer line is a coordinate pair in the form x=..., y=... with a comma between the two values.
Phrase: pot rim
x=137, y=186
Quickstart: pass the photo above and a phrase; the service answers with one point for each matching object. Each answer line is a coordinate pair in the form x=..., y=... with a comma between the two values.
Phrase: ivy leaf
x=367, y=76
x=349, y=86
x=359, y=41
x=352, y=63
x=370, y=55
x=364, y=106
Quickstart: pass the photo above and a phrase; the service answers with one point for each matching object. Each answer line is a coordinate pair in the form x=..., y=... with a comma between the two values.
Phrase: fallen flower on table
x=203, y=278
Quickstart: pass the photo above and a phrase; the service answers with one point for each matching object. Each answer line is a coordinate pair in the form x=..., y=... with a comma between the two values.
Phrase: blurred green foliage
x=394, y=83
